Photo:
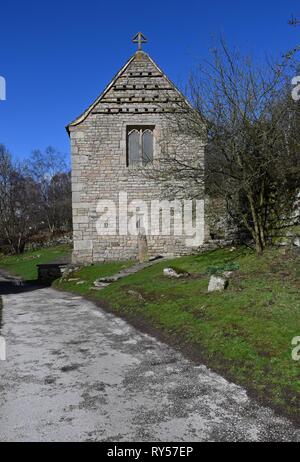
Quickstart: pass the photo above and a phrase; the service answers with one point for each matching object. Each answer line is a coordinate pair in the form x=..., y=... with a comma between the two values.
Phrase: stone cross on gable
x=139, y=38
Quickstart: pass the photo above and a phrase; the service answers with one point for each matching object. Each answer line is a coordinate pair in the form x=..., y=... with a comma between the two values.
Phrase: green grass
x=244, y=333
x=25, y=265
x=88, y=275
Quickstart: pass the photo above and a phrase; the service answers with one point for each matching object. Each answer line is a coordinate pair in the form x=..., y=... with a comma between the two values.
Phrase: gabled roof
x=133, y=64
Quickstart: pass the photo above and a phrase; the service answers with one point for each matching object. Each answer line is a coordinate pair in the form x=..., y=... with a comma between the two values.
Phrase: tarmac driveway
x=76, y=373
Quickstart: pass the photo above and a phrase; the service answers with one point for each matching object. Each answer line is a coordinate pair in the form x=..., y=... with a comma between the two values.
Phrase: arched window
x=140, y=145
x=133, y=147
x=147, y=154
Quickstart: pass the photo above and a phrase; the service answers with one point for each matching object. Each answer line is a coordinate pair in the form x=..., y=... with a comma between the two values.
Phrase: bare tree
x=60, y=202
x=251, y=126
x=18, y=199
x=293, y=21
x=50, y=172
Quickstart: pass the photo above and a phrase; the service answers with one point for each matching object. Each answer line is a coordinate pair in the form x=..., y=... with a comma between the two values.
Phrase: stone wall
x=219, y=224
x=48, y=272
x=44, y=242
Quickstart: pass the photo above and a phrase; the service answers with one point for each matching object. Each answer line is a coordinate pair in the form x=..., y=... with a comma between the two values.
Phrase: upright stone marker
x=143, y=248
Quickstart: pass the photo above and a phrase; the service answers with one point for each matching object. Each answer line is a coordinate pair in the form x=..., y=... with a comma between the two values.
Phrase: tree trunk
x=258, y=232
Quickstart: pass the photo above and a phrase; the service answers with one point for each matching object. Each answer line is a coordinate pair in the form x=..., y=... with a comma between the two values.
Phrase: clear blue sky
x=57, y=56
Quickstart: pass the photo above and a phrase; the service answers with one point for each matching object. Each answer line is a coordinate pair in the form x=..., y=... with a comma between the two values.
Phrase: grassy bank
x=25, y=265
x=83, y=279
x=244, y=333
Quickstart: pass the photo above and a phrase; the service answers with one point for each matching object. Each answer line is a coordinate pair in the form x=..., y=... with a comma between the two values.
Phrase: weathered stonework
x=140, y=95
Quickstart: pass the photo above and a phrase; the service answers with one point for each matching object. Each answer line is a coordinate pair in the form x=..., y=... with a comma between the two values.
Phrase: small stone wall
x=43, y=243
x=48, y=272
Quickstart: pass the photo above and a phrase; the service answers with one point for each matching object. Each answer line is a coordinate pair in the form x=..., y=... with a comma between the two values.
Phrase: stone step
x=126, y=272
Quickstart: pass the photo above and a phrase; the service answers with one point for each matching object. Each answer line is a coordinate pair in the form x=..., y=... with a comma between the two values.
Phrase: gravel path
x=76, y=373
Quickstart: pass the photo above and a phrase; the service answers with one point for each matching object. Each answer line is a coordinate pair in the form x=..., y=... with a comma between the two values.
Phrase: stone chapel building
x=122, y=131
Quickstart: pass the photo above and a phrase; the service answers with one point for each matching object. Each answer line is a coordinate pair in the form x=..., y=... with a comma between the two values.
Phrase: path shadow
x=16, y=286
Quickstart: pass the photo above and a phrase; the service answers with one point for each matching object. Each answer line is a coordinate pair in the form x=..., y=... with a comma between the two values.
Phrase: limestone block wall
x=100, y=171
